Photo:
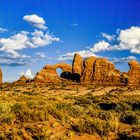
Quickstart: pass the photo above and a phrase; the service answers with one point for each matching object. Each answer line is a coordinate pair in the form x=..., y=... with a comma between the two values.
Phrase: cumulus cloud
x=3, y=30
x=23, y=40
x=35, y=21
x=41, y=39
x=27, y=74
x=108, y=37
x=14, y=43
x=101, y=46
x=70, y=55
x=128, y=39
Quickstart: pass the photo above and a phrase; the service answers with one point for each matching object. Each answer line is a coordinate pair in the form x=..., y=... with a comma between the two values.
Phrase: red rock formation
x=132, y=77
x=97, y=71
x=22, y=79
x=87, y=75
x=104, y=73
x=77, y=65
x=100, y=71
x=49, y=75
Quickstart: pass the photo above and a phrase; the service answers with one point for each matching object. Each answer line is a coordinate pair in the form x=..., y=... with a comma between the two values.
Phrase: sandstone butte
x=92, y=70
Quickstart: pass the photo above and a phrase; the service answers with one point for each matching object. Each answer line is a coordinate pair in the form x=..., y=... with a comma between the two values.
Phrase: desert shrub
x=129, y=118
x=9, y=136
x=72, y=110
x=81, y=101
x=105, y=115
x=75, y=111
x=122, y=107
x=17, y=108
x=136, y=106
x=7, y=118
x=55, y=112
x=108, y=106
x=128, y=136
x=27, y=93
x=5, y=108
x=33, y=115
x=31, y=104
x=92, y=126
x=39, y=137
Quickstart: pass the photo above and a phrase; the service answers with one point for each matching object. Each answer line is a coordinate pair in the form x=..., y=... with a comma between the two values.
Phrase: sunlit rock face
x=92, y=70
x=49, y=74
x=132, y=77
x=100, y=71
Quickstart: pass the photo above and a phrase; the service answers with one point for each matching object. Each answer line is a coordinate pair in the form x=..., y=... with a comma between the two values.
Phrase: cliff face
x=100, y=71
x=132, y=77
x=97, y=71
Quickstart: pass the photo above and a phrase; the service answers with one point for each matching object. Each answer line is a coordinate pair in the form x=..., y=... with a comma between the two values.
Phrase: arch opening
x=59, y=71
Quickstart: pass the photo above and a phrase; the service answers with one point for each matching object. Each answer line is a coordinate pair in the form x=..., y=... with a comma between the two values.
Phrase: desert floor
x=60, y=112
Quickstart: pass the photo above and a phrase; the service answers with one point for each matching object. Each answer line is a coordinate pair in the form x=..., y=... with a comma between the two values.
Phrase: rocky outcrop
x=22, y=80
x=49, y=74
x=87, y=75
x=77, y=65
x=132, y=77
x=100, y=71
x=97, y=71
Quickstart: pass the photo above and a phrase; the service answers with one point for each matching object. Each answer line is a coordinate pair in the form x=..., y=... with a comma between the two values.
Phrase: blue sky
x=34, y=33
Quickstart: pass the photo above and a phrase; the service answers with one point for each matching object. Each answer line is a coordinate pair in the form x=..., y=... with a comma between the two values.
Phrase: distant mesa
x=92, y=70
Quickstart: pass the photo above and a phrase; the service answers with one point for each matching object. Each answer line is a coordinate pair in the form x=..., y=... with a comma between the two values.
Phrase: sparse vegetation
x=36, y=114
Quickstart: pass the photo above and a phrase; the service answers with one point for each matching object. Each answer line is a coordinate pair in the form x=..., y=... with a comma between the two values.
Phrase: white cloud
x=24, y=40
x=108, y=37
x=40, y=55
x=128, y=39
x=70, y=55
x=27, y=74
x=3, y=30
x=41, y=39
x=36, y=21
x=11, y=47
x=14, y=43
x=100, y=46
